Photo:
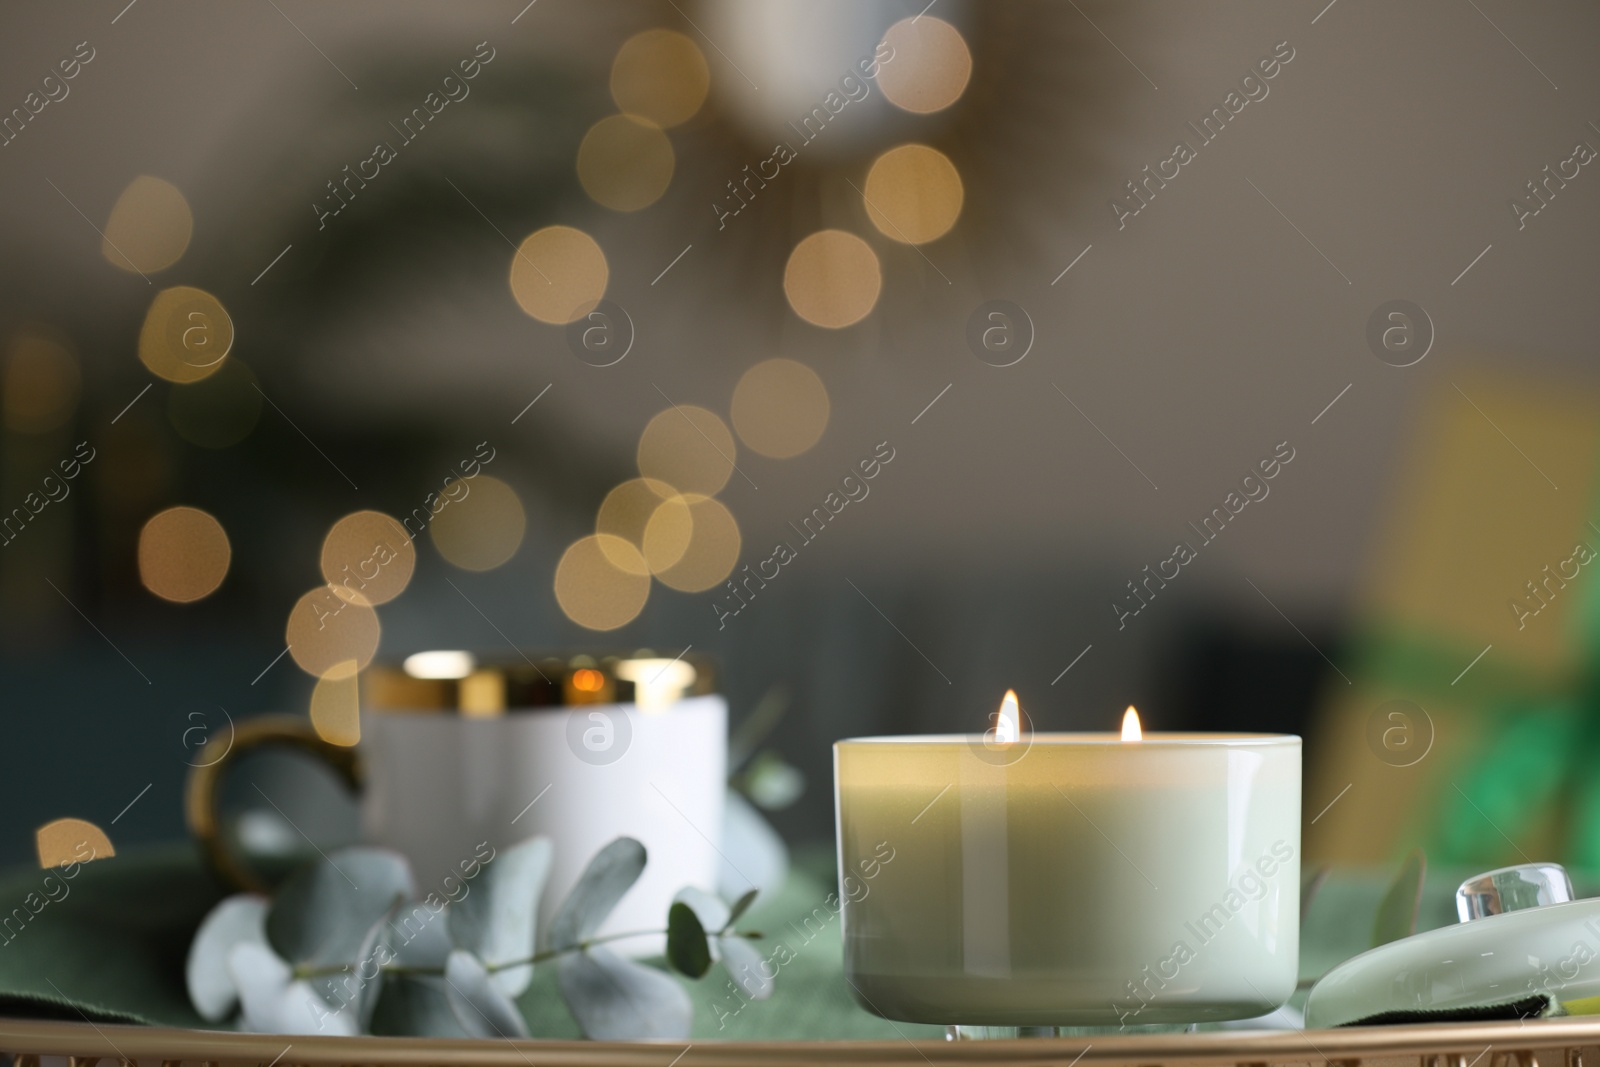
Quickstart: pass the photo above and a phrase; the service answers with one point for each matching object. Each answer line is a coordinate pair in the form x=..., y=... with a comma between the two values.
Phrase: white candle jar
x=454, y=760
x=1070, y=879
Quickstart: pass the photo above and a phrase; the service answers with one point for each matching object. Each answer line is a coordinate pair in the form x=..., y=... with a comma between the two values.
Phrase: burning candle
x=1034, y=879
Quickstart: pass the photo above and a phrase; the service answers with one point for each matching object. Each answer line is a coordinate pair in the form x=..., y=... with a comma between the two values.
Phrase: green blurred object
x=1528, y=759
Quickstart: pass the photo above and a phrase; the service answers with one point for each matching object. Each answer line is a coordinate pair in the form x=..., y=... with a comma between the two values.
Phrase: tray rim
x=1345, y=1046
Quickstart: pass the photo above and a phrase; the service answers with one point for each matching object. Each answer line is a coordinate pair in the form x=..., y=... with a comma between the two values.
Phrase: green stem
x=552, y=953
x=537, y=957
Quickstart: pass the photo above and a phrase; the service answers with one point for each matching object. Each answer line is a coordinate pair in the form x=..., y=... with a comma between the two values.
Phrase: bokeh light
x=832, y=279
x=657, y=683
x=484, y=528
x=652, y=517
x=336, y=704
x=661, y=75
x=64, y=841
x=780, y=408
x=668, y=534
x=218, y=411
x=596, y=593
x=688, y=448
x=183, y=554
x=149, y=227
x=325, y=630
x=440, y=663
x=368, y=558
x=931, y=65
x=713, y=550
x=186, y=334
x=559, y=274
x=913, y=194
x=42, y=383
x=625, y=163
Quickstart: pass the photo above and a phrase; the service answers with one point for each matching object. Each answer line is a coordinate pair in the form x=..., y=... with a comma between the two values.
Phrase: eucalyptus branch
x=538, y=957
x=322, y=913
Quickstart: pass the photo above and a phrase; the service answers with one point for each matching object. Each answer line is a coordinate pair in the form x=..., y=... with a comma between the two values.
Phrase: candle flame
x=1008, y=723
x=1130, y=725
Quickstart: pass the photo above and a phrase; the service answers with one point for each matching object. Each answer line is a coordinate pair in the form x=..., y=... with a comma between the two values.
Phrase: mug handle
x=203, y=792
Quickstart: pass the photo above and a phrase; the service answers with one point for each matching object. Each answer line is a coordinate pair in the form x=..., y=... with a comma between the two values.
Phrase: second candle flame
x=1008, y=723
x=1130, y=725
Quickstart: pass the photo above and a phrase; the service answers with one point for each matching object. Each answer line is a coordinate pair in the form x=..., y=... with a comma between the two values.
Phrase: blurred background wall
x=376, y=348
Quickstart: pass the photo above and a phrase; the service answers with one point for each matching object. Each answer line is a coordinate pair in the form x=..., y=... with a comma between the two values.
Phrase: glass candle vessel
x=1069, y=879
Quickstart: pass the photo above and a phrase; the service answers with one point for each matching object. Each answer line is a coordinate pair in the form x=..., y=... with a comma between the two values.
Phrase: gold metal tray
x=1537, y=1043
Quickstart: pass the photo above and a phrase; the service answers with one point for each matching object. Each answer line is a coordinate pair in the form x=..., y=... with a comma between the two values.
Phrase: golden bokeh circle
x=217, y=411
x=652, y=517
x=780, y=408
x=483, y=528
x=186, y=334
x=42, y=383
x=596, y=593
x=62, y=843
x=368, y=557
x=913, y=194
x=832, y=279
x=625, y=163
x=559, y=274
x=668, y=534
x=325, y=630
x=336, y=704
x=661, y=75
x=149, y=227
x=183, y=554
x=931, y=65
x=713, y=550
x=688, y=448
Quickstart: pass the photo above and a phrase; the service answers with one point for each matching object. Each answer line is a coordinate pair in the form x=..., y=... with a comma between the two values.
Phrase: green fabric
x=113, y=949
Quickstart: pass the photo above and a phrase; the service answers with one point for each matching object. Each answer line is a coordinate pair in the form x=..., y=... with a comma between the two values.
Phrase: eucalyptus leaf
x=324, y=910
x=275, y=1003
x=300, y=1010
x=746, y=967
x=421, y=935
x=261, y=978
x=708, y=907
x=609, y=875
x=737, y=954
x=375, y=953
x=687, y=949
x=741, y=906
x=234, y=920
x=614, y=999
x=1397, y=911
x=415, y=1005
x=355, y=987
x=480, y=1007
x=496, y=918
